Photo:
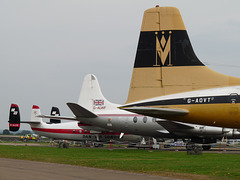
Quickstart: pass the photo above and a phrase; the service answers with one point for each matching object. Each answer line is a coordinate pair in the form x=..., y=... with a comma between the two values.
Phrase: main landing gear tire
x=206, y=147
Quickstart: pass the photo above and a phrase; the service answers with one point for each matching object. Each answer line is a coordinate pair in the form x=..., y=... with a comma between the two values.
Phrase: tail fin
x=14, y=118
x=91, y=96
x=35, y=112
x=165, y=62
x=55, y=112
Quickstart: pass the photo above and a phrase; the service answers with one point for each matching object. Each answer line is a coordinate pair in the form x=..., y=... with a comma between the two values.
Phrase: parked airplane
x=170, y=82
x=94, y=109
x=68, y=130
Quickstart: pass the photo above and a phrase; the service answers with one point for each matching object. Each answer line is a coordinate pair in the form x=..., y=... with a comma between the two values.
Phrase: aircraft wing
x=156, y=112
x=172, y=126
x=81, y=112
x=78, y=111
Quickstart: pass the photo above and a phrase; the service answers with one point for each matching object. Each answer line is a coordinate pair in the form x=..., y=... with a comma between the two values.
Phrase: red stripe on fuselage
x=73, y=131
x=120, y=115
x=62, y=131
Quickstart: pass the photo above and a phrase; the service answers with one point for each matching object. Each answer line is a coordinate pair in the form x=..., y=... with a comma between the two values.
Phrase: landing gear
x=206, y=147
x=63, y=144
x=193, y=149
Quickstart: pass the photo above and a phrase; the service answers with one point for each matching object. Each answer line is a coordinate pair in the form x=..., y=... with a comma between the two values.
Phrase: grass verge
x=142, y=161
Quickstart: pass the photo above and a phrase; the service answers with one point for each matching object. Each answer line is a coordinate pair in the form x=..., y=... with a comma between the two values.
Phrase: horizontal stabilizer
x=31, y=122
x=58, y=117
x=81, y=112
x=147, y=111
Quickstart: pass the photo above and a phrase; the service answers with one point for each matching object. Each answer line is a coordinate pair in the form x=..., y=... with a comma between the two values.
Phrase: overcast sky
x=48, y=46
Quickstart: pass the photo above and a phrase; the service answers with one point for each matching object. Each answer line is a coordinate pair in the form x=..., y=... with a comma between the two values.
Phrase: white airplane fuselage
x=94, y=109
x=131, y=123
x=74, y=131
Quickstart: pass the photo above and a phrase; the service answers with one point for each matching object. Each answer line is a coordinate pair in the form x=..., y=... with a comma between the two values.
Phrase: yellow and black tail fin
x=165, y=62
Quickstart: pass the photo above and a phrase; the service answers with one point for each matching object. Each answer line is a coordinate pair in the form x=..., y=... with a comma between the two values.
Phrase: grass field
x=177, y=164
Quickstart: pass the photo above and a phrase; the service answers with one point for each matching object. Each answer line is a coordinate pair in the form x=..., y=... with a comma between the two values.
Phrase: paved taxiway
x=12, y=169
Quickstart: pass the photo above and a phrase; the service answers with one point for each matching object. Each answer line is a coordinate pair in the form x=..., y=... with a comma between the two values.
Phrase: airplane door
x=126, y=123
x=233, y=99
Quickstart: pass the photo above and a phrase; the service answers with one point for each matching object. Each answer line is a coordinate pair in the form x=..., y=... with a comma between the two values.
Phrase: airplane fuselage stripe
x=190, y=100
x=119, y=115
x=73, y=131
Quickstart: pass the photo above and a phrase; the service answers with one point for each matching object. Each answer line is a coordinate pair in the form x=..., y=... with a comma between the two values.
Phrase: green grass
x=157, y=162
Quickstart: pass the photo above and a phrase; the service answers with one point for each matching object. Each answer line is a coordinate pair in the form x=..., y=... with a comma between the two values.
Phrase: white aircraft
x=170, y=82
x=93, y=109
x=68, y=130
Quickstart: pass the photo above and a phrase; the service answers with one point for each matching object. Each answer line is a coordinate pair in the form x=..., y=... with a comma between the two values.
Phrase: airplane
x=94, y=110
x=73, y=130
x=170, y=82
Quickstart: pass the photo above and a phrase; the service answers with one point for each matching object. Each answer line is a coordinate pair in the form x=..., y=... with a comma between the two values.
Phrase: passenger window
x=135, y=119
x=145, y=119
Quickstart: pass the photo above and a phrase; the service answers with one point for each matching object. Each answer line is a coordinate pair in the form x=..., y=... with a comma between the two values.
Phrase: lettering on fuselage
x=190, y=100
x=100, y=137
x=199, y=100
x=103, y=107
x=89, y=137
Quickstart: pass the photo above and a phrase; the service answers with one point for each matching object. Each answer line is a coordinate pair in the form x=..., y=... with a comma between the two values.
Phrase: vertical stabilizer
x=91, y=96
x=165, y=62
x=36, y=112
x=55, y=112
x=14, y=118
